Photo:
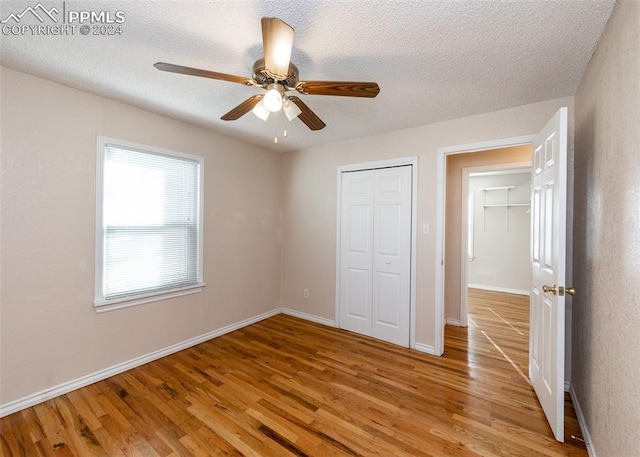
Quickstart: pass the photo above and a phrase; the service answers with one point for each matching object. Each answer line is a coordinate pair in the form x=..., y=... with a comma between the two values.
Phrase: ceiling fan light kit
x=278, y=75
x=273, y=98
x=290, y=110
x=261, y=111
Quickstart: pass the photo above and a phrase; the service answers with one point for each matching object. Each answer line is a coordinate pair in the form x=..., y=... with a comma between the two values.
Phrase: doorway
x=495, y=230
x=495, y=215
x=443, y=153
x=548, y=258
x=491, y=220
x=376, y=239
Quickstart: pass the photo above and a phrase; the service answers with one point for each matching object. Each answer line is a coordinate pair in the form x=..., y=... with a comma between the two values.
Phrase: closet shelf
x=497, y=188
x=505, y=205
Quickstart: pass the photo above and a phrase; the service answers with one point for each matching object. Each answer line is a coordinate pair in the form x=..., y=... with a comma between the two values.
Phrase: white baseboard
x=323, y=321
x=65, y=387
x=421, y=347
x=506, y=290
x=583, y=426
x=455, y=322
x=567, y=386
x=309, y=317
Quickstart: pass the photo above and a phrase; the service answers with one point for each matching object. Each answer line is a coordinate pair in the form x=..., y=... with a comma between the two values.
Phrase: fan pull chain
x=275, y=130
x=284, y=124
x=281, y=119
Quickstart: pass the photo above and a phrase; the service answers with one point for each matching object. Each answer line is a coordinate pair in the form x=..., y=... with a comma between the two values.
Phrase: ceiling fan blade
x=204, y=73
x=277, y=41
x=243, y=108
x=339, y=88
x=307, y=116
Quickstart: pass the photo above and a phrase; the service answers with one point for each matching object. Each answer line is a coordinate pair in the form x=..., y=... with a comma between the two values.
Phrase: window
x=471, y=214
x=148, y=224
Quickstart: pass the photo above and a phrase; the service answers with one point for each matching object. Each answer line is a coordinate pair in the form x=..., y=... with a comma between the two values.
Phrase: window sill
x=112, y=305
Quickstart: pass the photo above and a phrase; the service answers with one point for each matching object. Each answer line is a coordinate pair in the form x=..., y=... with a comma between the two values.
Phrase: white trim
x=486, y=145
x=506, y=290
x=456, y=322
x=583, y=425
x=100, y=304
x=414, y=251
x=65, y=387
x=470, y=212
x=398, y=162
x=427, y=349
x=465, y=226
x=517, y=171
x=420, y=347
x=101, y=307
x=338, y=227
x=309, y=317
x=439, y=320
x=91, y=378
x=567, y=386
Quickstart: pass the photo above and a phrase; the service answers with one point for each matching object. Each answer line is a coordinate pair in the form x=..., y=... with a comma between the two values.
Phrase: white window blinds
x=151, y=241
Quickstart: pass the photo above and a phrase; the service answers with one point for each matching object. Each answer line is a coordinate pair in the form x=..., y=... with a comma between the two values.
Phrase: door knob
x=388, y=262
x=570, y=291
x=553, y=289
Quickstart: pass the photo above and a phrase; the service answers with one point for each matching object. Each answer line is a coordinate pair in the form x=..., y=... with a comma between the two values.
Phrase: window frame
x=100, y=303
x=471, y=216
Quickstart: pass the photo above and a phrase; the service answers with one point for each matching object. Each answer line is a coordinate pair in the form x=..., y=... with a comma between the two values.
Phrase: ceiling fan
x=278, y=75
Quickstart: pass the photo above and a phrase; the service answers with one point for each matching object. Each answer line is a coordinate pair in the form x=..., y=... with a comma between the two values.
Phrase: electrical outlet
x=305, y=293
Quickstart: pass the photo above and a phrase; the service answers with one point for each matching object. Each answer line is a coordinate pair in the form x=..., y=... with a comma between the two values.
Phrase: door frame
x=443, y=152
x=398, y=162
x=464, y=222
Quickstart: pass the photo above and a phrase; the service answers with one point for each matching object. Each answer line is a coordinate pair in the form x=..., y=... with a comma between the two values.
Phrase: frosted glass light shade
x=291, y=110
x=273, y=99
x=261, y=111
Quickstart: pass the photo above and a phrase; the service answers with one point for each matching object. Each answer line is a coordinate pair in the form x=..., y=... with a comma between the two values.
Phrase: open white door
x=548, y=252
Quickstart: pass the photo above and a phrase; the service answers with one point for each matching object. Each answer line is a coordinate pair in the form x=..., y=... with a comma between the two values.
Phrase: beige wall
x=253, y=254
x=606, y=356
x=453, y=221
x=309, y=201
x=50, y=333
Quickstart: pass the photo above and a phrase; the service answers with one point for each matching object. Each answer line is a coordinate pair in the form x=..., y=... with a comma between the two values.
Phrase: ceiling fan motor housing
x=263, y=77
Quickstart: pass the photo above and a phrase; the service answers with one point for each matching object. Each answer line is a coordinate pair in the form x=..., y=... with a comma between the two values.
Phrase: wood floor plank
x=288, y=387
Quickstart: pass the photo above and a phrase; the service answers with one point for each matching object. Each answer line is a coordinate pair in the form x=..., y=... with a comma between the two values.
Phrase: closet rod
x=498, y=188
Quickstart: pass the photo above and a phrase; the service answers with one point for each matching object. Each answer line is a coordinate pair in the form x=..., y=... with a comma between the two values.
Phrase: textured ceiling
x=433, y=60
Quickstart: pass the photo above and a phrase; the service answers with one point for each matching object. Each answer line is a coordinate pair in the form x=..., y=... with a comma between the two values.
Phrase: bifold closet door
x=375, y=253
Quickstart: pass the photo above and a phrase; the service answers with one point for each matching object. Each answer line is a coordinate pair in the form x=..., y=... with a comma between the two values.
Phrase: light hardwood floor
x=288, y=387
